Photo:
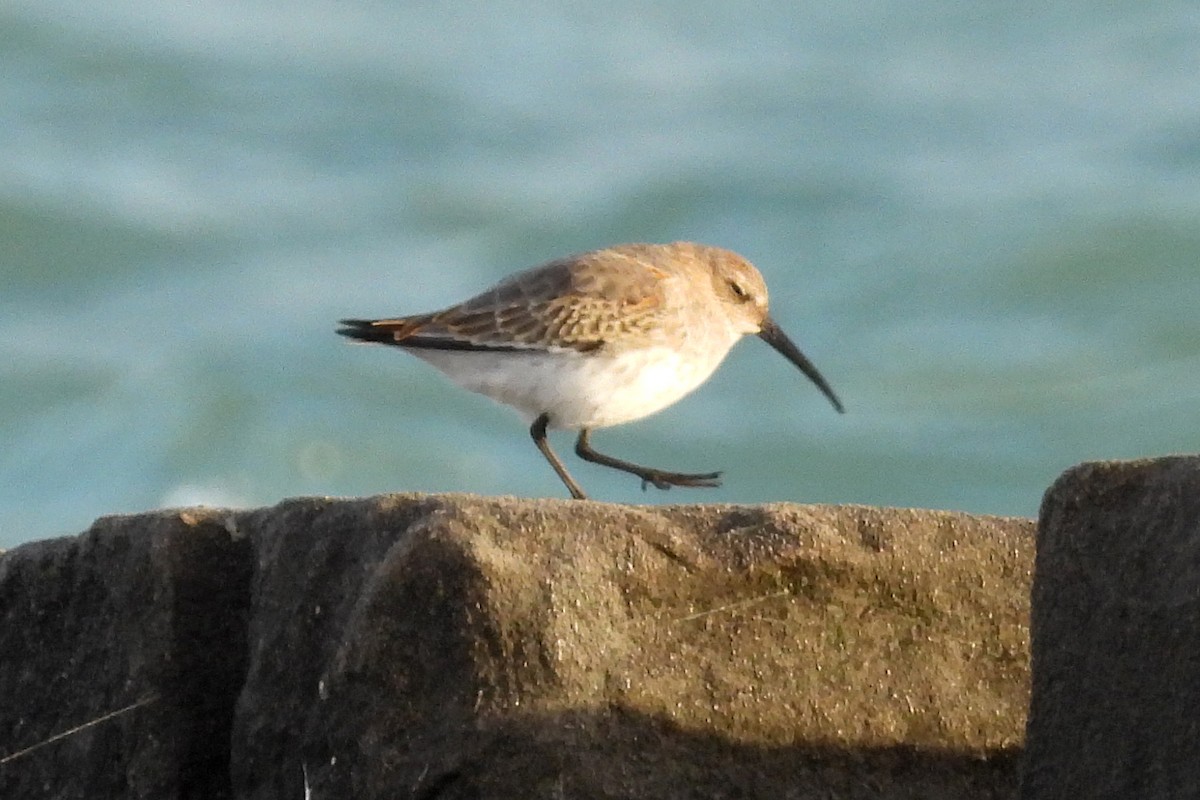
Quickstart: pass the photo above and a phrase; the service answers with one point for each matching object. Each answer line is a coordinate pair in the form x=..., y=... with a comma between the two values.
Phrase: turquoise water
x=981, y=222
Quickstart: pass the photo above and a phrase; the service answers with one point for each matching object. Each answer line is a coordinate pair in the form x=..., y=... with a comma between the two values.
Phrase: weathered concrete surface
x=503, y=648
x=1116, y=634
x=451, y=646
x=144, y=609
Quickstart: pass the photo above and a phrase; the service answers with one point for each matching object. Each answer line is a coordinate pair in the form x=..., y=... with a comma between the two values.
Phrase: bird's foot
x=665, y=480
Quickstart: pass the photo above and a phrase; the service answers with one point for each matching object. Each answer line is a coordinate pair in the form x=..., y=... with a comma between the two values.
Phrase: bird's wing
x=582, y=303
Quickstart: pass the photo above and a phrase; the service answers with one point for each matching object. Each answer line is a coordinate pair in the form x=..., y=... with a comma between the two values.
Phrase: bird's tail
x=380, y=331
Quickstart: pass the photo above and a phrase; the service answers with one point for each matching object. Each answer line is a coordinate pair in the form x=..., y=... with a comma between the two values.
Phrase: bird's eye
x=738, y=291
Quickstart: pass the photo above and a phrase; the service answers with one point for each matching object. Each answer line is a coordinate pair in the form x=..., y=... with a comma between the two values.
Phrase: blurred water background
x=981, y=221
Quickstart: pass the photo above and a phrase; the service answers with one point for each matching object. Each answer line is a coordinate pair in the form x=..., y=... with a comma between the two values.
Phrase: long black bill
x=773, y=335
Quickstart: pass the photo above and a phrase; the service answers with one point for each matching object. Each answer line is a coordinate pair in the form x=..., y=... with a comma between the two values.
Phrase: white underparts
x=579, y=390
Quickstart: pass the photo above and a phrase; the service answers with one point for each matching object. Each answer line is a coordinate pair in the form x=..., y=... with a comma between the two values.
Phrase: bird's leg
x=538, y=432
x=660, y=478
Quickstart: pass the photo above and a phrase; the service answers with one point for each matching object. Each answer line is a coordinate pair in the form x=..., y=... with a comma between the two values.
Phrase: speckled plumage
x=596, y=339
x=614, y=299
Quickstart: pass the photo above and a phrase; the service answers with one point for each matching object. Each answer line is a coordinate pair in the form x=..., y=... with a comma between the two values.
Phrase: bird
x=598, y=339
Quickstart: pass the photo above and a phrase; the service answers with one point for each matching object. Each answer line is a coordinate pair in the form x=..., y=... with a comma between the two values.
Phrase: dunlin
x=598, y=339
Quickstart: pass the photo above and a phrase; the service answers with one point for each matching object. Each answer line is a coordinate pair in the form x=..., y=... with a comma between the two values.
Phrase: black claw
x=665, y=480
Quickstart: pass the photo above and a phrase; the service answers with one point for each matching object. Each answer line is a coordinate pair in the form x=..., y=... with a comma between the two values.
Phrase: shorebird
x=598, y=339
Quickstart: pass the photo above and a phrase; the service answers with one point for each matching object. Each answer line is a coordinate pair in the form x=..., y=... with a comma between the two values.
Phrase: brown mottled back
x=581, y=302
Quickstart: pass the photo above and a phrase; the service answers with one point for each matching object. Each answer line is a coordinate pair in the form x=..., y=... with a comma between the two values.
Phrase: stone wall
x=461, y=647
